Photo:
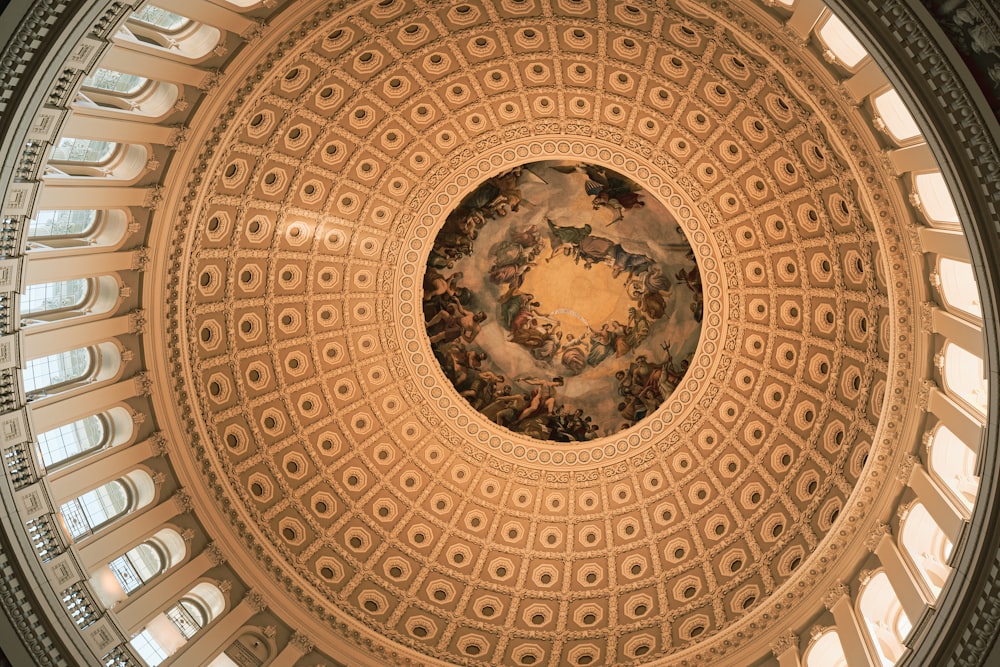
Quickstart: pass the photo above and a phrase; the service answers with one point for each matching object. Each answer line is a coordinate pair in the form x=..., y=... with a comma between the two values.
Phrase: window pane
x=83, y=150
x=842, y=42
x=56, y=369
x=47, y=297
x=146, y=560
x=104, y=503
x=70, y=440
x=963, y=375
x=94, y=508
x=186, y=618
x=958, y=286
x=115, y=82
x=61, y=223
x=160, y=18
x=935, y=198
x=136, y=567
x=148, y=649
x=897, y=118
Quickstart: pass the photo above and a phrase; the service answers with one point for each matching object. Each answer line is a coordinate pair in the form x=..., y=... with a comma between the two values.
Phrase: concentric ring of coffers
x=349, y=472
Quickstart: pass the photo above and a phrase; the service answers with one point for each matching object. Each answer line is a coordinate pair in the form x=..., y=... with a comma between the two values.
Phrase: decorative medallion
x=562, y=300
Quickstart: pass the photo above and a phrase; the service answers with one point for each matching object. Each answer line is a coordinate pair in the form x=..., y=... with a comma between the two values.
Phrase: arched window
x=952, y=462
x=958, y=286
x=935, y=200
x=166, y=633
x=131, y=93
x=96, y=508
x=162, y=19
x=137, y=566
x=113, y=81
x=66, y=443
x=168, y=31
x=927, y=546
x=71, y=440
x=61, y=224
x=963, y=376
x=898, y=121
x=99, y=507
x=45, y=375
x=62, y=371
x=74, y=158
x=48, y=302
x=840, y=41
x=82, y=151
x=884, y=617
x=77, y=228
x=825, y=651
x=47, y=298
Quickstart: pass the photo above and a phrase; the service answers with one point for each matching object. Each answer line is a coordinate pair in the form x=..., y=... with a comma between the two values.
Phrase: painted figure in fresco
x=607, y=189
x=437, y=284
x=594, y=250
x=692, y=278
x=505, y=407
x=566, y=239
x=623, y=261
x=454, y=322
x=510, y=193
x=574, y=353
x=673, y=374
x=612, y=191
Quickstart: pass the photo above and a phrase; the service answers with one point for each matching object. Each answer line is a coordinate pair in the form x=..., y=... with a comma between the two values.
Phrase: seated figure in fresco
x=602, y=344
x=647, y=289
x=594, y=250
x=547, y=350
x=637, y=330
x=628, y=262
x=565, y=239
x=574, y=353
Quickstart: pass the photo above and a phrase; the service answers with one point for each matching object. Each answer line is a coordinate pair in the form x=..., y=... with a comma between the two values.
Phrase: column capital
x=875, y=536
x=302, y=642
x=183, y=500
x=256, y=600
x=784, y=642
x=906, y=467
x=833, y=596
x=215, y=554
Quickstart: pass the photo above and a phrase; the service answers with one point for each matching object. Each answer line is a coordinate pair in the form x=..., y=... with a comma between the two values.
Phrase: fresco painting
x=562, y=301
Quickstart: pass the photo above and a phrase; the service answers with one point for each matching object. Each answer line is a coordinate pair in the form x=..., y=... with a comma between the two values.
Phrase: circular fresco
x=562, y=301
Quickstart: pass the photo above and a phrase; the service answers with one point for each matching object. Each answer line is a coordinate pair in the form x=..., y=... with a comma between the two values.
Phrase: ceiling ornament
x=559, y=304
x=354, y=473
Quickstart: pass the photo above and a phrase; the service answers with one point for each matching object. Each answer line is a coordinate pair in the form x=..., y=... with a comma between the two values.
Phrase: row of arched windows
x=154, y=58
x=116, y=89
x=923, y=547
